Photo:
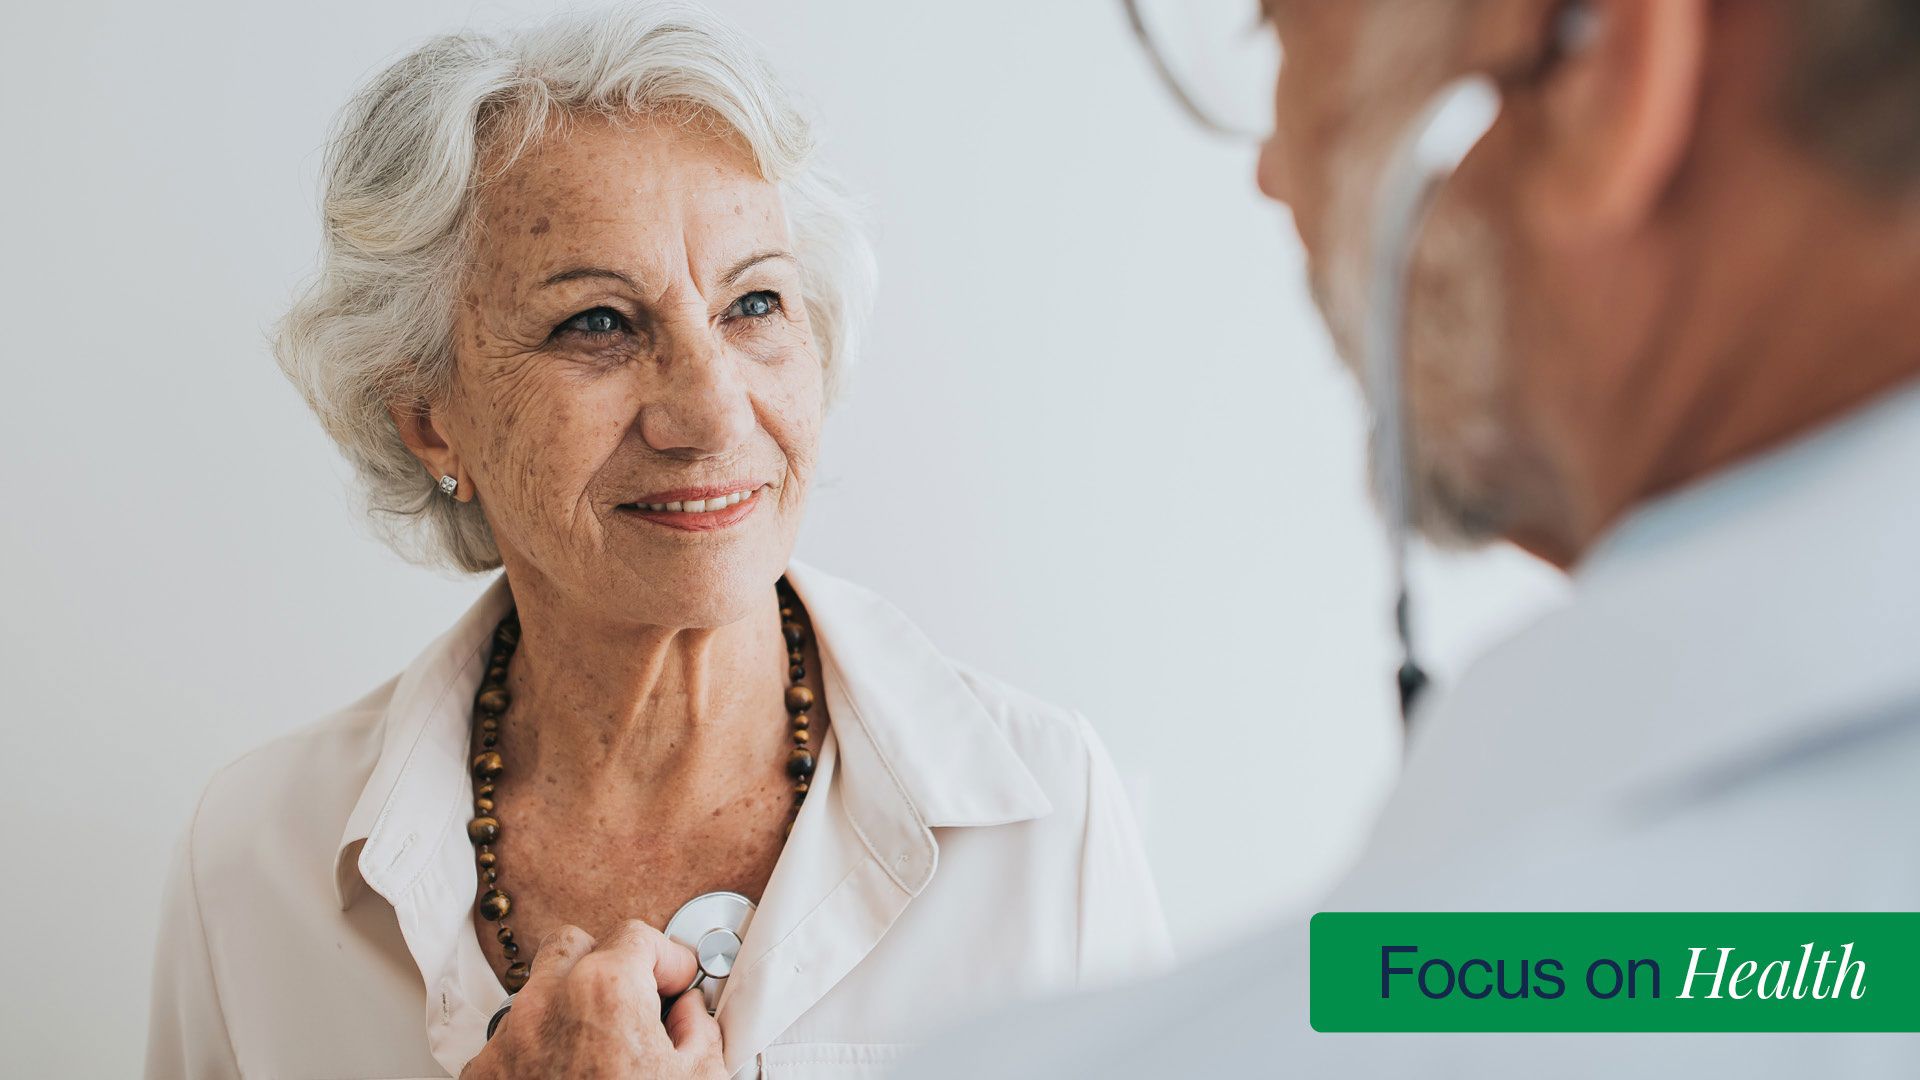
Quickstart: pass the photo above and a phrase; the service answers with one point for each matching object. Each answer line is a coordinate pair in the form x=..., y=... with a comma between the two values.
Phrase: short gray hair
x=404, y=165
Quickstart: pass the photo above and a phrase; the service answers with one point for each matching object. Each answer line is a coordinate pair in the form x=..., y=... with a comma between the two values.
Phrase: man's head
x=1690, y=234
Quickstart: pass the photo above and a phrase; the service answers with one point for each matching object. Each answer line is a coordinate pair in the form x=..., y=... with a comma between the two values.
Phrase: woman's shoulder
x=1063, y=752
x=295, y=791
x=1042, y=732
x=881, y=651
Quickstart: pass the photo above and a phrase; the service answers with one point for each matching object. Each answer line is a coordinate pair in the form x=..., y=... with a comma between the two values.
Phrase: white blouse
x=964, y=845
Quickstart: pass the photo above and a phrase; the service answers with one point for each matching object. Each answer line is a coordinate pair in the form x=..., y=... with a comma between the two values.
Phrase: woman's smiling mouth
x=698, y=509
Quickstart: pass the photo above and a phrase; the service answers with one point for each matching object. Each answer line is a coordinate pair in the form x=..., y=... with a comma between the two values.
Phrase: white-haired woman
x=581, y=306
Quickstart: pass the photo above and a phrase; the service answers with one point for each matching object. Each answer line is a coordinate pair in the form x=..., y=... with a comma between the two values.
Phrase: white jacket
x=1725, y=717
x=964, y=845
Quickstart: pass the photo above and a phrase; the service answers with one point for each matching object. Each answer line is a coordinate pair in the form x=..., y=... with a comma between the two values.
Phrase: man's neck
x=1821, y=321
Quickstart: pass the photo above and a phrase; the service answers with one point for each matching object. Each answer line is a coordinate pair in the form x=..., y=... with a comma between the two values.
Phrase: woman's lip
x=699, y=493
x=700, y=521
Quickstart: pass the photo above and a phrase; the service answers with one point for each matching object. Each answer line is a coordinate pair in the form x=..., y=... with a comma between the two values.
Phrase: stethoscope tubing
x=1421, y=162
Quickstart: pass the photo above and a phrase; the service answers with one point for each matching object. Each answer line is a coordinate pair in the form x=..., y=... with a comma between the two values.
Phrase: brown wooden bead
x=802, y=735
x=488, y=766
x=510, y=948
x=796, y=673
x=505, y=934
x=508, y=632
x=487, y=859
x=800, y=790
x=799, y=699
x=491, y=875
x=483, y=830
x=495, y=905
x=800, y=763
x=484, y=790
x=516, y=976
x=489, y=741
x=794, y=632
x=490, y=725
x=483, y=804
x=497, y=674
x=493, y=701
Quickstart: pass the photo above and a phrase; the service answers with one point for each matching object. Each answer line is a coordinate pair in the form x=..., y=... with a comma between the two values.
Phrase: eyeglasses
x=1218, y=57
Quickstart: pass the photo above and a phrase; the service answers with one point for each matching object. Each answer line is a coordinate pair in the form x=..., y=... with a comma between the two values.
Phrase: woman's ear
x=420, y=430
x=1614, y=114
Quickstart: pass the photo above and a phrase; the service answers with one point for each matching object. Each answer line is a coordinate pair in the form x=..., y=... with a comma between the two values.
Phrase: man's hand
x=593, y=1010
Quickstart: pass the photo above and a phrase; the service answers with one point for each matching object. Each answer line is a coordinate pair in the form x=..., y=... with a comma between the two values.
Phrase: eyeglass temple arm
x=1165, y=73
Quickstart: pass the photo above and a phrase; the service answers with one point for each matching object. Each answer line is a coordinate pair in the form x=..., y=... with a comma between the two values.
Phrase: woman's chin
x=691, y=580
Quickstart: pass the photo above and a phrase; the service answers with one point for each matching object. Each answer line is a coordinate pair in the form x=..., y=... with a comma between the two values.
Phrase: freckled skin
x=646, y=744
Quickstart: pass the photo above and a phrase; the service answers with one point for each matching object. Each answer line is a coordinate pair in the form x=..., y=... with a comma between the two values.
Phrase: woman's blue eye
x=756, y=305
x=599, y=321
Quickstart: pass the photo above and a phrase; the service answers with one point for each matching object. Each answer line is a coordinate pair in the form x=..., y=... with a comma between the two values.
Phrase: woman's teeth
x=698, y=506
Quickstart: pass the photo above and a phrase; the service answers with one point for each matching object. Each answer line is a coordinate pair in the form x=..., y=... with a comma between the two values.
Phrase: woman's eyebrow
x=579, y=272
x=733, y=272
x=731, y=275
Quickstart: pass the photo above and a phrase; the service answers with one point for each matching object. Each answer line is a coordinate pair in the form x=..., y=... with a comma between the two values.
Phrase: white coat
x=1725, y=717
x=963, y=845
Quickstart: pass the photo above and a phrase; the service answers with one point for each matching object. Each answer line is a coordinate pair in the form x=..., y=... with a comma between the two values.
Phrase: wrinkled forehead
x=645, y=189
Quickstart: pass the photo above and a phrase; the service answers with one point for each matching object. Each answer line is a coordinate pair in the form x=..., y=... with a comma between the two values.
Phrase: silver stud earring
x=448, y=485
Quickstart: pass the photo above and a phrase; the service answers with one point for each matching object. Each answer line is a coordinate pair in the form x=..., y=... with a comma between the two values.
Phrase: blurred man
x=1663, y=330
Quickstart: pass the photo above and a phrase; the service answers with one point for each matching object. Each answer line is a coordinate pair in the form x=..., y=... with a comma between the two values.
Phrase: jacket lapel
x=829, y=903
x=408, y=829
x=909, y=748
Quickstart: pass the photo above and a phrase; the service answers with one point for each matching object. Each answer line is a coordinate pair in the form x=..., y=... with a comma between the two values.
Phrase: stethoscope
x=713, y=925
x=1430, y=149
x=1421, y=162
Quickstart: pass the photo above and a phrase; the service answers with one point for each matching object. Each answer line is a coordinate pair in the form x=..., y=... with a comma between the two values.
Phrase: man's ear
x=1615, y=114
x=421, y=431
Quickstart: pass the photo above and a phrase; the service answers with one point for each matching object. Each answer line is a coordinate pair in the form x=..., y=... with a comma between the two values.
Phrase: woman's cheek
x=533, y=445
x=800, y=421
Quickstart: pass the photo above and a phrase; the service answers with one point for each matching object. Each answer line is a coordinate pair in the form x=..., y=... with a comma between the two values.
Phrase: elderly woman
x=581, y=306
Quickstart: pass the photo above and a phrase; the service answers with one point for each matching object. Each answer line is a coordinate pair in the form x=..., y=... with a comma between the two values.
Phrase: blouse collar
x=915, y=749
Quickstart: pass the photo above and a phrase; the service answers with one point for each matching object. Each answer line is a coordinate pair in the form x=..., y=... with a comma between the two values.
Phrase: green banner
x=1616, y=971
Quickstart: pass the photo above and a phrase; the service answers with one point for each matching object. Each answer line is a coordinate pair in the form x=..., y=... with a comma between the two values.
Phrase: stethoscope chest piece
x=712, y=925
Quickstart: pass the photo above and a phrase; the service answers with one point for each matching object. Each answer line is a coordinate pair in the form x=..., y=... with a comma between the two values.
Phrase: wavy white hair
x=405, y=162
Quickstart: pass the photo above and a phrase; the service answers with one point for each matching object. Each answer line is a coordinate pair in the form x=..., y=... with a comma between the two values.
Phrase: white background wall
x=1099, y=447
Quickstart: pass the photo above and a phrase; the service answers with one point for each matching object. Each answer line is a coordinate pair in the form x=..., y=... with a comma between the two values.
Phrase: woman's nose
x=701, y=406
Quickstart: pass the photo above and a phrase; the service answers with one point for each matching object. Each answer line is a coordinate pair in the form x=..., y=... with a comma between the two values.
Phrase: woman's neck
x=630, y=715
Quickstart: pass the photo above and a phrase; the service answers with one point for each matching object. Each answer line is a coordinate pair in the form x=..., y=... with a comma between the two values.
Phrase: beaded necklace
x=490, y=704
